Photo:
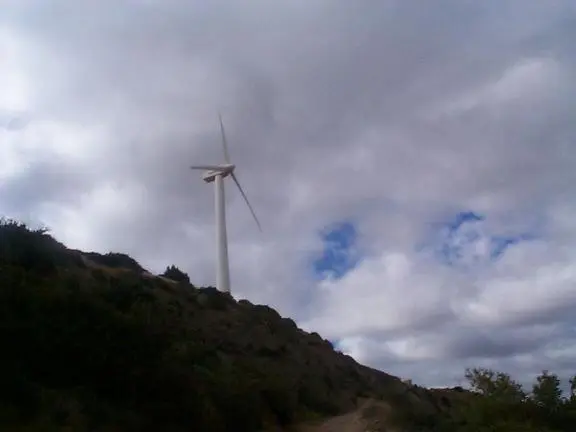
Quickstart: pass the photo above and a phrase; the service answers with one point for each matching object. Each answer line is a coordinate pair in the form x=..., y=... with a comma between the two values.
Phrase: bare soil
x=370, y=416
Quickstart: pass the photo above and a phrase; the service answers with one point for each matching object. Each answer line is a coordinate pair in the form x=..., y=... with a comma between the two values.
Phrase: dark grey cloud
x=488, y=344
x=45, y=182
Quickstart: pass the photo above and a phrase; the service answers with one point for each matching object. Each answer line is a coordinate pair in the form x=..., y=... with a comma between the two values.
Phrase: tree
x=30, y=249
x=546, y=391
x=497, y=385
x=177, y=275
x=572, y=388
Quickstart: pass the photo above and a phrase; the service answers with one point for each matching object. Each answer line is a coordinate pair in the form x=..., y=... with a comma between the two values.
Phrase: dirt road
x=370, y=416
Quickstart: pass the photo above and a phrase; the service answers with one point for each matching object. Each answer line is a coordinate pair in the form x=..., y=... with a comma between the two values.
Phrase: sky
x=412, y=163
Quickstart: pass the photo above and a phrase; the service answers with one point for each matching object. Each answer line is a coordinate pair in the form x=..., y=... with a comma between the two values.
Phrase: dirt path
x=369, y=417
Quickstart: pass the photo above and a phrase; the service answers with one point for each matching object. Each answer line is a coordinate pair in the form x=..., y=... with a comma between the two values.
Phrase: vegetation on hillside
x=174, y=273
x=92, y=346
x=497, y=403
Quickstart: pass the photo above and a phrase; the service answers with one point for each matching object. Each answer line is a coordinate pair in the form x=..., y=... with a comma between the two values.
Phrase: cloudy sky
x=413, y=163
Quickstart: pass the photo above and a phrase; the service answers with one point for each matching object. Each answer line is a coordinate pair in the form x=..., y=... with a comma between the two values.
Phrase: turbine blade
x=247, y=202
x=224, y=142
x=206, y=167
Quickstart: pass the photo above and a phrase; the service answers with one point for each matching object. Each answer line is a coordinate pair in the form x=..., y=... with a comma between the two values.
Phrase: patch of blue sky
x=465, y=241
x=340, y=254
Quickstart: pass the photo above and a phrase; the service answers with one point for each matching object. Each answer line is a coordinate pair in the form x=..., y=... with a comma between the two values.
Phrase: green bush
x=177, y=275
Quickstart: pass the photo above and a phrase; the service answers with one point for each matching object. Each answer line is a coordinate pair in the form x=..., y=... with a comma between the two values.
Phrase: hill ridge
x=180, y=356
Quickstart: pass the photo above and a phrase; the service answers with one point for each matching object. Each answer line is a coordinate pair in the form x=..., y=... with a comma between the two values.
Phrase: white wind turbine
x=216, y=174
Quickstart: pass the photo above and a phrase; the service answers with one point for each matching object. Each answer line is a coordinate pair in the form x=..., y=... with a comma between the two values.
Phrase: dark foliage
x=94, y=348
x=177, y=275
x=497, y=403
x=32, y=249
x=115, y=260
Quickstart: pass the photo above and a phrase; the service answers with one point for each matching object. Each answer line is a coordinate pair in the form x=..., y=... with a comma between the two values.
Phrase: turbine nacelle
x=223, y=170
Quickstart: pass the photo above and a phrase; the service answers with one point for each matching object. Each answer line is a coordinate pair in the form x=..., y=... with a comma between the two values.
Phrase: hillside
x=96, y=343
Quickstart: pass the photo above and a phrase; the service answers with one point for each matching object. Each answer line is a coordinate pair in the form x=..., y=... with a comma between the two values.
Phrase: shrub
x=115, y=260
x=31, y=249
x=174, y=273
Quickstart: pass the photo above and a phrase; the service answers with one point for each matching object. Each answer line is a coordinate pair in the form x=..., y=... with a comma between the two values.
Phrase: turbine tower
x=217, y=174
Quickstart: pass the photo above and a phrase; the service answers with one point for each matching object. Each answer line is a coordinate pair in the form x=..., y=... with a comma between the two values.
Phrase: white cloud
x=527, y=81
x=15, y=92
x=384, y=294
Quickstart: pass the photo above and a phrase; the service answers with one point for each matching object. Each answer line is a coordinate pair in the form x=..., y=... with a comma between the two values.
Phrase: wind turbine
x=217, y=174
